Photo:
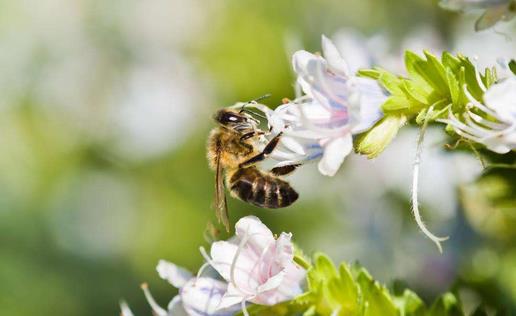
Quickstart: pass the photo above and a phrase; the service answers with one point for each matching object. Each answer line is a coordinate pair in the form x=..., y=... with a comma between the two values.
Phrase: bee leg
x=266, y=152
x=284, y=170
x=251, y=135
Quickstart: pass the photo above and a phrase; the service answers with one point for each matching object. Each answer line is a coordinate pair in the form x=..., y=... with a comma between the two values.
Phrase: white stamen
x=202, y=268
x=206, y=256
x=478, y=104
x=124, y=308
x=244, y=240
x=483, y=121
x=244, y=308
x=477, y=75
x=415, y=181
x=158, y=310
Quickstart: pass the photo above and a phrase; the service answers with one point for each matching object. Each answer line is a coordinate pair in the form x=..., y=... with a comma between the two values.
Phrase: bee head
x=232, y=119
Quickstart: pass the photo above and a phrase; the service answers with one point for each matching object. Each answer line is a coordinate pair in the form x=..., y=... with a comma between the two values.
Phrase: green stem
x=302, y=262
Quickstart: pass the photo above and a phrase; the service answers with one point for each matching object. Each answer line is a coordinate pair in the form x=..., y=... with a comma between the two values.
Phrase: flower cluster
x=257, y=274
x=252, y=267
x=335, y=105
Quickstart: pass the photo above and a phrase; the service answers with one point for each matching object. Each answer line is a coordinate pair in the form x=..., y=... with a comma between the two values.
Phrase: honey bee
x=233, y=154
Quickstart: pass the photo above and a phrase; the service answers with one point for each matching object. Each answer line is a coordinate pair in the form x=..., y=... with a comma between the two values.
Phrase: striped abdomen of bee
x=259, y=188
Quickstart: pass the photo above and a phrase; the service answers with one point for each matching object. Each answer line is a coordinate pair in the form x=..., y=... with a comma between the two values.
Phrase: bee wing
x=221, y=208
x=493, y=15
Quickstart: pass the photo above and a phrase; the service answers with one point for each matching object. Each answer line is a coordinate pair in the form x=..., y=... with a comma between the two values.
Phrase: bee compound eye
x=228, y=117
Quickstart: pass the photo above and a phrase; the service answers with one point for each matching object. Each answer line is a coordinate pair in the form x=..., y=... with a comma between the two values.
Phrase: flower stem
x=302, y=262
x=415, y=182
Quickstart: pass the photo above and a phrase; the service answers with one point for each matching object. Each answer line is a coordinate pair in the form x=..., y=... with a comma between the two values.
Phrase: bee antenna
x=265, y=96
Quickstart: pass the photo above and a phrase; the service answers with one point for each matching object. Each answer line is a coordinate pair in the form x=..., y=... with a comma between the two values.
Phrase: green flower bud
x=374, y=141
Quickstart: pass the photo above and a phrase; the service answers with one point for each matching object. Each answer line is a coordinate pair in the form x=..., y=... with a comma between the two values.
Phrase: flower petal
x=334, y=153
x=334, y=58
x=231, y=298
x=175, y=275
x=501, y=97
x=223, y=257
x=176, y=308
x=203, y=296
x=284, y=249
x=371, y=98
x=260, y=236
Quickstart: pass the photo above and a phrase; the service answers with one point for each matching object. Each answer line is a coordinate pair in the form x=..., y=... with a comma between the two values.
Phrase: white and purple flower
x=258, y=268
x=336, y=105
x=198, y=296
x=492, y=123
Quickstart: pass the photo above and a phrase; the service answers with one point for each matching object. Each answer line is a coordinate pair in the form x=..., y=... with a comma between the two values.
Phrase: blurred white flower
x=336, y=105
x=360, y=51
x=497, y=134
x=259, y=268
x=495, y=10
x=198, y=296
x=486, y=48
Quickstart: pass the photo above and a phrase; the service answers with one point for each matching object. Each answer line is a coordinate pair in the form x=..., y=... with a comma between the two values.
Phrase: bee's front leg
x=284, y=170
x=266, y=152
x=251, y=135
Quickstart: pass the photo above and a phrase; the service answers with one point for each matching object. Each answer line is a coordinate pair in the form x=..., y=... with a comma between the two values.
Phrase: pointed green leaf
x=376, y=298
x=446, y=305
x=369, y=73
x=512, y=66
x=409, y=304
x=438, y=72
x=429, y=73
x=391, y=82
x=344, y=291
x=395, y=103
x=451, y=62
x=453, y=86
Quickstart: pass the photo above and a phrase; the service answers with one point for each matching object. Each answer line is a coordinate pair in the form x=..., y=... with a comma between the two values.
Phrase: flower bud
x=374, y=141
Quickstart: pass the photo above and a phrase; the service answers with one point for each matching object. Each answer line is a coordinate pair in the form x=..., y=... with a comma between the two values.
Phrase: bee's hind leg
x=284, y=170
x=264, y=154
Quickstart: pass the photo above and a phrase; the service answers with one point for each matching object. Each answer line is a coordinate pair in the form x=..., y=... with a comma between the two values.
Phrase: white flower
x=259, y=268
x=198, y=296
x=495, y=10
x=493, y=123
x=336, y=105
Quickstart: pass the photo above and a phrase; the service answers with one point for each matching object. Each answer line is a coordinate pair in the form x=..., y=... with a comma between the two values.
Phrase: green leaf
x=376, y=298
x=409, y=304
x=512, y=66
x=369, y=73
x=479, y=311
x=390, y=82
x=451, y=62
x=395, y=103
x=345, y=292
x=490, y=77
x=429, y=72
x=446, y=305
x=453, y=86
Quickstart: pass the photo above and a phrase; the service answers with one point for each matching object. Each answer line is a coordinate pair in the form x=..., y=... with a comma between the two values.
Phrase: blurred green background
x=105, y=109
